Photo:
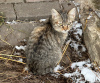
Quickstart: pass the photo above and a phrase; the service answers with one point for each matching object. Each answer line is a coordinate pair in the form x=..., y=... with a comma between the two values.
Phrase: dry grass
x=2, y=18
x=12, y=60
x=64, y=51
x=12, y=55
x=85, y=25
x=4, y=41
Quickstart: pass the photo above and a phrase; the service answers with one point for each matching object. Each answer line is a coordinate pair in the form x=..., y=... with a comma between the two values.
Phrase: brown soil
x=11, y=72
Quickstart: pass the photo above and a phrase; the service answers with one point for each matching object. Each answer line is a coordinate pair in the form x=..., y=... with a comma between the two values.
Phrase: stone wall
x=91, y=26
x=92, y=39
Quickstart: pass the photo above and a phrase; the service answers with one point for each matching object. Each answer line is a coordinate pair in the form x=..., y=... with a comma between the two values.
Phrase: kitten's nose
x=65, y=28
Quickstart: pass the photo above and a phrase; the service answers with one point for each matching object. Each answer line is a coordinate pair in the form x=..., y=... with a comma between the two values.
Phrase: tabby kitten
x=44, y=48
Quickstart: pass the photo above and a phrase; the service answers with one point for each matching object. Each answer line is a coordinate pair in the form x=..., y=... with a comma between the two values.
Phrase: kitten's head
x=63, y=22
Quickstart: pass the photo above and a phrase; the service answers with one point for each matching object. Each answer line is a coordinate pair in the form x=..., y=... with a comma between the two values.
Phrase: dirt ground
x=11, y=71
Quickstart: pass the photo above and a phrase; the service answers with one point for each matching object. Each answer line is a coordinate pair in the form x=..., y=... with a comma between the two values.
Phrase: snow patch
x=42, y=20
x=87, y=72
x=89, y=17
x=78, y=31
x=79, y=64
x=76, y=73
x=20, y=59
x=76, y=4
x=78, y=9
x=20, y=47
x=79, y=16
x=76, y=46
x=17, y=53
x=76, y=25
x=77, y=37
x=90, y=75
x=13, y=22
x=58, y=67
x=55, y=75
x=83, y=48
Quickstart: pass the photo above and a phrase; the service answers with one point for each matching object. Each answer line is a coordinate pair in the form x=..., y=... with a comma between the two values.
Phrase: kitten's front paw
x=25, y=70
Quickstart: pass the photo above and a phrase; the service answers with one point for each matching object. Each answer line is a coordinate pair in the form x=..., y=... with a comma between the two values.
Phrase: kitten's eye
x=69, y=23
x=61, y=24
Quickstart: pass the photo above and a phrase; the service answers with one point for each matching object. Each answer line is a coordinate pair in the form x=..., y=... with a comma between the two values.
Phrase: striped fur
x=44, y=45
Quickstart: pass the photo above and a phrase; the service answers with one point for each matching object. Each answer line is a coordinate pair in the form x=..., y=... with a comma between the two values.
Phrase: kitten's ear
x=72, y=15
x=55, y=14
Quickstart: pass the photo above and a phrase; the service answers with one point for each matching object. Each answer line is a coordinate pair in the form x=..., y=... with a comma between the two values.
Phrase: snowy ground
x=83, y=71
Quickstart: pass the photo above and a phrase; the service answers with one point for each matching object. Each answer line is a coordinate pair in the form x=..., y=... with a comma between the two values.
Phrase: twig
x=12, y=60
x=12, y=55
x=13, y=51
x=2, y=17
x=63, y=69
x=69, y=59
x=85, y=24
x=63, y=53
x=2, y=51
x=59, y=72
x=11, y=77
x=10, y=31
x=4, y=41
x=95, y=63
